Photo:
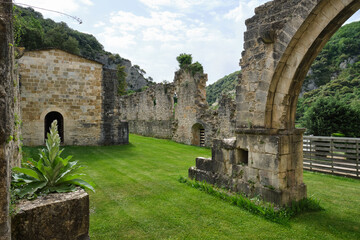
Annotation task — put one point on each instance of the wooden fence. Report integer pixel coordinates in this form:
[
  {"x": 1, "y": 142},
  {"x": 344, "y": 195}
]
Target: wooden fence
[{"x": 333, "y": 155}]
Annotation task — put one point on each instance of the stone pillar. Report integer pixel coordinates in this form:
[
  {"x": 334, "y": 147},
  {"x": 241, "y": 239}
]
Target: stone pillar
[
  {"x": 6, "y": 113},
  {"x": 259, "y": 162},
  {"x": 275, "y": 164}
]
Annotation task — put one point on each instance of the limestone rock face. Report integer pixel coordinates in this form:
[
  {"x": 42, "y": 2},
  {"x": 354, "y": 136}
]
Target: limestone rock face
[{"x": 62, "y": 216}]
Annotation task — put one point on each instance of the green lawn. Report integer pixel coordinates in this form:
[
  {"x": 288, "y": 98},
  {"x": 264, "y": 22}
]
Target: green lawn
[{"x": 138, "y": 197}]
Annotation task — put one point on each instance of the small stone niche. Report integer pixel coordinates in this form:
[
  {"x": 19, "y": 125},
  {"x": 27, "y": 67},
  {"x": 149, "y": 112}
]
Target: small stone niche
[{"x": 242, "y": 156}]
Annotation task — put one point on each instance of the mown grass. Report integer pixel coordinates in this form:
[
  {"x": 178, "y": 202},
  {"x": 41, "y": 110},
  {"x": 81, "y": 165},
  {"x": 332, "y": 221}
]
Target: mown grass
[{"x": 138, "y": 196}]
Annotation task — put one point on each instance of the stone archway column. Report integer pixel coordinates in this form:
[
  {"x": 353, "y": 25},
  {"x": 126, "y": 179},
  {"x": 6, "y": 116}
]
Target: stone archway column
[{"x": 6, "y": 114}]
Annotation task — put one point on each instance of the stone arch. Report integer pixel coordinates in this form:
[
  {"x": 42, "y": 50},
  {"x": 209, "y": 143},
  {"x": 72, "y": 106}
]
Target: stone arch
[
  {"x": 285, "y": 86},
  {"x": 198, "y": 135},
  {"x": 49, "y": 118},
  {"x": 282, "y": 40}
]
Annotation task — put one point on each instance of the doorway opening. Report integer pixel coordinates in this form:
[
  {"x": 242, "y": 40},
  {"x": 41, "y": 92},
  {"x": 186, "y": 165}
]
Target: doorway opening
[
  {"x": 198, "y": 135},
  {"x": 49, "y": 118}
]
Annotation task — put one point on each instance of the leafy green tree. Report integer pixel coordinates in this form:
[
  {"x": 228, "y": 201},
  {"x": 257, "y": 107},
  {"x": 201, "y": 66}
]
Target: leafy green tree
[
  {"x": 330, "y": 115},
  {"x": 71, "y": 45},
  {"x": 121, "y": 76}
]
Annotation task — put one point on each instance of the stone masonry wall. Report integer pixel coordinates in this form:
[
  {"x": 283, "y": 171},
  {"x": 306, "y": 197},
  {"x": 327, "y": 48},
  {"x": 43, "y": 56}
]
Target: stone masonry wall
[
  {"x": 154, "y": 112},
  {"x": 191, "y": 95},
  {"x": 114, "y": 130},
  {"x": 60, "y": 216},
  {"x": 151, "y": 112},
  {"x": 7, "y": 93},
  {"x": 54, "y": 80}
]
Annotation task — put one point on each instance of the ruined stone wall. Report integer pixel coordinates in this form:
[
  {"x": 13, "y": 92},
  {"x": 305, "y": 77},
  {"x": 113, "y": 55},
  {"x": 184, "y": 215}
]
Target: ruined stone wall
[
  {"x": 7, "y": 118},
  {"x": 151, "y": 112},
  {"x": 114, "y": 130},
  {"x": 54, "y": 80},
  {"x": 191, "y": 95},
  {"x": 226, "y": 118}
]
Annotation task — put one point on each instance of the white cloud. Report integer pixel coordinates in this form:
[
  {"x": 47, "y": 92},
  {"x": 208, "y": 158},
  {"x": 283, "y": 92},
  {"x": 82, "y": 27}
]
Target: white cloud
[
  {"x": 244, "y": 10},
  {"x": 99, "y": 24},
  {"x": 64, "y": 6},
  {"x": 184, "y": 4}
]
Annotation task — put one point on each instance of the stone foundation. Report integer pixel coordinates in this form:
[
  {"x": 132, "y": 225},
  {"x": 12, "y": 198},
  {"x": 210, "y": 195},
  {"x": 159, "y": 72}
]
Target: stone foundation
[
  {"x": 62, "y": 216},
  {"x": 258, "y": 163}
]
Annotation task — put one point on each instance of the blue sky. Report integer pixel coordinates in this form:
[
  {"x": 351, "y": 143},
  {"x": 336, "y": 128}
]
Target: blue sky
[{"x": 152, "y": 33}]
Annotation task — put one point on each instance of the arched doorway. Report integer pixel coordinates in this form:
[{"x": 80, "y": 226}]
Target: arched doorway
[
  {"x": 49, "y": 118},
  {"x": 198, "y": 135}
]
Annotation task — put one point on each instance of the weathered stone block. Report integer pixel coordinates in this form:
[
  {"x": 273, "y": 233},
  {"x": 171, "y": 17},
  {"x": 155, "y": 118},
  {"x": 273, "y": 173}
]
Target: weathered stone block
[
  {"x": 62, "y": 216},
  {"x": 205, "y": 164}
]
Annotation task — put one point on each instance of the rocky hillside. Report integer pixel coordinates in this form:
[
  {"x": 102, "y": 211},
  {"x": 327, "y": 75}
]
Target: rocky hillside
[
  {"x": 33, "y": 32},
  {"x": 339, "y": 56}
]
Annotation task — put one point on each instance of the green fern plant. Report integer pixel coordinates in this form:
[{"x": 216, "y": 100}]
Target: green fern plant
[{"x": 51, "y": 173}]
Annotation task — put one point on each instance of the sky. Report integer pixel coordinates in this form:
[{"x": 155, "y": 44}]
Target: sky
[{"x": 152, "y": 33}]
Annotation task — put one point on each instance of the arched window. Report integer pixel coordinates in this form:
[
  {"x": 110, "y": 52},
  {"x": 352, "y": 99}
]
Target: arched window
[{"x": 49, "y": 118}]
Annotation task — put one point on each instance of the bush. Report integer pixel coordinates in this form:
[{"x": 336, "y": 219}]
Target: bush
[
  {"x": 330, "y": 115},
  {"x": 50, "y": 173},
  {"x": 184, "y": 60}
]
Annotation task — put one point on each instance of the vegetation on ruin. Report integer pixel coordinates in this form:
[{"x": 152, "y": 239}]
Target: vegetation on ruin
[
  {"x": 255, "y": 205},
  {"x": 138, "y": 196},
  {"x": 121, "y": 76},
  {"x": 50, "y": 173},
  {"x": 185, "y": 62}
]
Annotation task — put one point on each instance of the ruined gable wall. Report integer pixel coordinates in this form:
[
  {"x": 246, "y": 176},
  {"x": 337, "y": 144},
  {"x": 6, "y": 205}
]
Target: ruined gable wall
[
  {"x": 54, "y": 80},
  {"x": 151, "y": 112}
]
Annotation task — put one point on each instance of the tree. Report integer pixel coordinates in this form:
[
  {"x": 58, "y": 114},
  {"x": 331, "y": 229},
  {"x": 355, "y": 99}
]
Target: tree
[
  {"x": 330, "y": 115},
  {"x": 121, "y": 76}
]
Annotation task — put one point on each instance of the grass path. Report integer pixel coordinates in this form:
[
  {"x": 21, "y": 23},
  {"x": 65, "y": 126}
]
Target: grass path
[{"x": 138, "y": 197}]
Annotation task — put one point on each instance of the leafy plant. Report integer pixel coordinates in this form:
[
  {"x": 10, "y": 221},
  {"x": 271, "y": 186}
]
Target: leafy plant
[
  {"x": 121, "y": 75},
  {"x": 51, "y": 173},
  {"x": 184, "y": 60}
]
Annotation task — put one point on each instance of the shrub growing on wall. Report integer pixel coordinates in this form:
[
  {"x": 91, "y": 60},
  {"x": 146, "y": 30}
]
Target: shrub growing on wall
[
  {"x": 185, "y": 62},
  {"x": 121, "y": 76}
]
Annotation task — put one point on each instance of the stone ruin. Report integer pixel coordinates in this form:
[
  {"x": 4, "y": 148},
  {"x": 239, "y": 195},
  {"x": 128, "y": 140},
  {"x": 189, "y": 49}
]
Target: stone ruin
[
  {"x": 75, "y": 91},
  {"x": 266, "y": 158},
  {"x": 178, "y": 111}
]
